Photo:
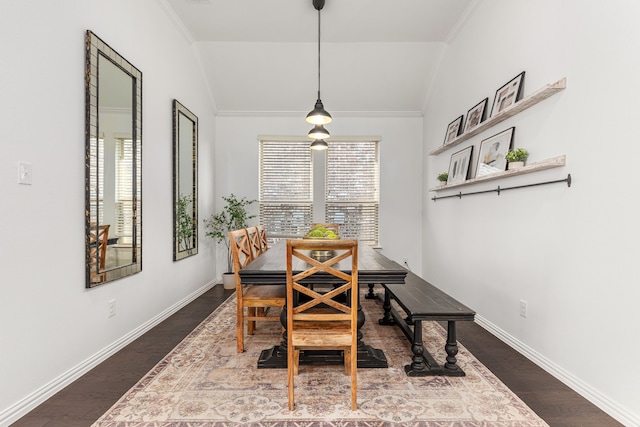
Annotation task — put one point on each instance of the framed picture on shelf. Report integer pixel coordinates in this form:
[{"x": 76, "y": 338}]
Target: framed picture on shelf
[
  {"x": 492, "y": 152},
  {"x": 459, "y": 165},
  {"x": 453, "y": 130},
  {"x": 476, "y": 115},
  {"x": 508, "y": 94}
]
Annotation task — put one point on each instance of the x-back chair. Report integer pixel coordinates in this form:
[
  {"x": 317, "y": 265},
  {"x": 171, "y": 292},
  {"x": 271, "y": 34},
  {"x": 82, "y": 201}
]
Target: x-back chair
[
  {"x": 315, "y": 319},
  {"x": 255, "y": 303}
]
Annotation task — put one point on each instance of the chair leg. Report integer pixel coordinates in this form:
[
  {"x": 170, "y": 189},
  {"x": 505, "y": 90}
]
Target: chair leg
[
  {"x": 354, "y": 379},
  {"x": 347, "y": 362},
  {"x": 251, "y": 324},
  {"x": 290, "y": 373},
  {"x": 240, "y": 331},
  {"x": 296, "y": 362}
]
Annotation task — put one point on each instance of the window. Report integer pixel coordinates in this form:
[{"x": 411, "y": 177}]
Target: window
[
  {"x": 351, "y": 188},
  {"x": 286, "y": 191},
  {"x": 352, "y": 183}
]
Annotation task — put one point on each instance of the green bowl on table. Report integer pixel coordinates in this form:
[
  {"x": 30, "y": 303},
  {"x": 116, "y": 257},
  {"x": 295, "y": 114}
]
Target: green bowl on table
[{"x": 321, "y": 233}]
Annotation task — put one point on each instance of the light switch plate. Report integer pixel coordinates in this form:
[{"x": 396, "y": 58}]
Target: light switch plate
[{"x": 25, "y": 171}]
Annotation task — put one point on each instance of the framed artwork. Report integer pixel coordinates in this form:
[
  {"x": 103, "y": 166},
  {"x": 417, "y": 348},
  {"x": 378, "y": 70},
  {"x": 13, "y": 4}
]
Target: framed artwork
[
  {"x": 459, "y": 165},
  {"x": 476, "y": 115},
  {"x": 508, "y": 94},
  {"x": 453, "y": 130},
  {"x": 492, "y": 152}
]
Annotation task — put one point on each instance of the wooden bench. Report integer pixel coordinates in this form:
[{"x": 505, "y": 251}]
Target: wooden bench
[{"x": 423, "y": 301}]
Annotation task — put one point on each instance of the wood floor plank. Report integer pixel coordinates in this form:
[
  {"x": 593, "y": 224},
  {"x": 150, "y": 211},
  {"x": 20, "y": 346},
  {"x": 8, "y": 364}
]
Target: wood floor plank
[{"x": 85, "y": 400}]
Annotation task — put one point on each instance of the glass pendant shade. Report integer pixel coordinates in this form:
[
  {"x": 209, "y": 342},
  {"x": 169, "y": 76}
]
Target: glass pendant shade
[
  {"x": 319, "y": 144},
  {"x": 319, "y": 116},
  {"x": 319, "y": 132}
]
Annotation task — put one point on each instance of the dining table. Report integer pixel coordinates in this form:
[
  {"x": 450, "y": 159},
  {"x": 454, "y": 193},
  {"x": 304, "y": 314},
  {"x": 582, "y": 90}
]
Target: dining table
[{"x": 270, "y": 268}]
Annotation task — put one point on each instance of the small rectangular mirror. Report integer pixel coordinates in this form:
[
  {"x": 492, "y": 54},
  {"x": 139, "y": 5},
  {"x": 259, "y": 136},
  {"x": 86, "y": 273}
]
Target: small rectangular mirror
[{"x": 185, "y": 182}]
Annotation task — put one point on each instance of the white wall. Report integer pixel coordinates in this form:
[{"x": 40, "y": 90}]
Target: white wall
[
  {"x": 50, "y": 324},
  {"x": 574, "y": 264},
  {"x": 571, "y": 253},
  {"x": 237, "y": 169}
]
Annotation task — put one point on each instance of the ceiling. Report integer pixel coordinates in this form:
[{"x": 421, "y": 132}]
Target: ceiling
[{"x": 377, "y": 56}]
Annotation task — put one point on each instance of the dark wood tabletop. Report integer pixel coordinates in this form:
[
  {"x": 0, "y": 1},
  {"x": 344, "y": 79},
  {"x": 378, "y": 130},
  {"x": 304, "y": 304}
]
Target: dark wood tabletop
[{"x": 373, "y": 267}]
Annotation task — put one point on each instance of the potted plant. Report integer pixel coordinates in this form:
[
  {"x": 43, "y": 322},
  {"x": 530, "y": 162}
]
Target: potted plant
[
  {"x": 516, "y": 158},
  {"x": 233, "y": 216},
  {"x": 443, "y": 177}
]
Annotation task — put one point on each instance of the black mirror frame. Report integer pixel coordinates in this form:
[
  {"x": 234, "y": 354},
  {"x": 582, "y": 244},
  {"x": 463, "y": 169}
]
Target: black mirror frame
[
  {"x": 94, "y": 47},
  {"x": 185, "y": 207}
]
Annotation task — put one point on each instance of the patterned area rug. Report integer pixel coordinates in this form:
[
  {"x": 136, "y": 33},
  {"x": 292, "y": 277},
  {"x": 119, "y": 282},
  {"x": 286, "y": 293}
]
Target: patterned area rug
[{"x": 204, "y": 382}]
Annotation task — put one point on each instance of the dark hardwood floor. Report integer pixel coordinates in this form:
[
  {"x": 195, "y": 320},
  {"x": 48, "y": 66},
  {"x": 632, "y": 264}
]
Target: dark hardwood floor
[{"x": 82, "y": 402}]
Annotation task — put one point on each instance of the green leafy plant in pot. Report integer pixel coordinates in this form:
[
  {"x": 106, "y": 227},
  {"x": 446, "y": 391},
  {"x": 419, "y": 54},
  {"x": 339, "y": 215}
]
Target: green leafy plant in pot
[
  {"x": 233, "y": 216},
  {"x": 443, "y": 177},
  {"x": 516, "y": 158}
]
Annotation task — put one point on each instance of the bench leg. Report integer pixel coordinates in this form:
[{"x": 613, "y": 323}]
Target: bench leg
[
  {"x": 370, "y": 294},
  {"x": 417, "y": 368},
  {"x": 451, "y": 347},
  {"x": 387, "y": 319}
]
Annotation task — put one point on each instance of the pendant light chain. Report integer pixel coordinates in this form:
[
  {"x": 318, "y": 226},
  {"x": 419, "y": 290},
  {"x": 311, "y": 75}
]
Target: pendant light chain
[
  {"x": 318, "y": 53},
  {"x": 319, "y": 116}
]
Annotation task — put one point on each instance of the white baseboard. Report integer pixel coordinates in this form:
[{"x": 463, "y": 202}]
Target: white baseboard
[
  {"x": 22, "y": 407},
  {"x": 621, "y": 414}
]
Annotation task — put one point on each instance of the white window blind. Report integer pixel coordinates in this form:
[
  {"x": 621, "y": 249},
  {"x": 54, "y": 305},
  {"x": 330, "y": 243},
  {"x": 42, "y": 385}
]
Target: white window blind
[
  {"x": 352, "y": 189},
  {"x": 286, "y": 187},
  {"x": 124, "y": 193}
]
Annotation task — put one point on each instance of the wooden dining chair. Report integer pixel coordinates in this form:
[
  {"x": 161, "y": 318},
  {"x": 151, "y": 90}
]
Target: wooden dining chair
[
  {"x": 316, "y": 320},
  {"x": 255, "y": 303},
  {"x": 254, "y": 240},
  {"x": 263, "y": 237}
]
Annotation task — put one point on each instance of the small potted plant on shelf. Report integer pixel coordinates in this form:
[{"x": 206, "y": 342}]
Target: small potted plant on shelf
[
  {"x": 443, "y": 177},
  {"x": 234, "y": 216},
  {"x": 516, "y": 158}
]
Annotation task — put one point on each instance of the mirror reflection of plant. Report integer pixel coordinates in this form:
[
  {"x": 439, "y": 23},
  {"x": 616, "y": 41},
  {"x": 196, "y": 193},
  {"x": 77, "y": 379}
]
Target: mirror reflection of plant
[
  {"x": 185, "y": 223},
  {"x": 234, "y": 216}
]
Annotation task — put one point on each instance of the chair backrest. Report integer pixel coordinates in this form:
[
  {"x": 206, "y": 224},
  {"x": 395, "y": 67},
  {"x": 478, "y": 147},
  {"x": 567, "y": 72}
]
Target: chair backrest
[
  {"x": 98, "y": 239},
  {"x": 254, "y": 240},
  {"x": 263, "y": 237},
  {"x": 240, "y": 250},
  {"x": 312, "y": 307}
]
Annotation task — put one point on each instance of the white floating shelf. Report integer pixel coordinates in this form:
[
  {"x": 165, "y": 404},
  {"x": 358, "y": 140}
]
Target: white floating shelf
[
  {"x": 554, "y": 162},
  {"x": 516, "y": 108}
]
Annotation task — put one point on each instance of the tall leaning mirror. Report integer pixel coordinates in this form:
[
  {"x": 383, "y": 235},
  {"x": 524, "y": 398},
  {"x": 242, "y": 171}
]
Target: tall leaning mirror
[
  {"x": 185, "y": 182},
  {"x": 113, "y": 164}
]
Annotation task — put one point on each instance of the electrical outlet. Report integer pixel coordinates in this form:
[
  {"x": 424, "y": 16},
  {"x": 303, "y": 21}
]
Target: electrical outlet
[
  {"x": 523, "y": 308},
  {"x": 112, "y": 307}
]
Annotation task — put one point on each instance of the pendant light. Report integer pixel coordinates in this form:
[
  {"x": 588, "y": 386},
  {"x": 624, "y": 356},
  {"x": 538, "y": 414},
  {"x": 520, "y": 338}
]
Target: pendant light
[
  {"x": 318, "y": 116},
  {"x": 319, "y": 132},
  {"x": 319, "y": 144}
]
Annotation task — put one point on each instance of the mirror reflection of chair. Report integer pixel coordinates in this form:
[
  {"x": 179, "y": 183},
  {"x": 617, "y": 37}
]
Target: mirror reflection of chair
[
  {"x": 316, "y": 320},
  {"x": 254, "y": 302},
  {"x": 98, "y": 239}
]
